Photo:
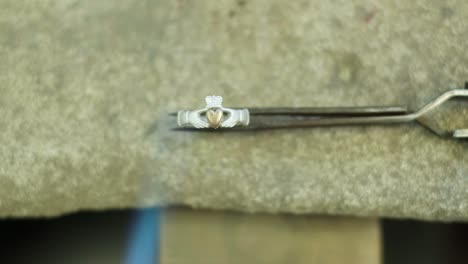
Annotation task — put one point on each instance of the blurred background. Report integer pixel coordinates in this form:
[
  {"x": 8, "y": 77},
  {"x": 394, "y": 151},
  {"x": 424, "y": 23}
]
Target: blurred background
[{"x": 104, "y": 237}]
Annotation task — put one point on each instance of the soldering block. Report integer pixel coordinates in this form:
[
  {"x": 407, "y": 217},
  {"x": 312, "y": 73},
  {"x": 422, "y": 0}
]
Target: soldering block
[{"x": 86, "y": 88}]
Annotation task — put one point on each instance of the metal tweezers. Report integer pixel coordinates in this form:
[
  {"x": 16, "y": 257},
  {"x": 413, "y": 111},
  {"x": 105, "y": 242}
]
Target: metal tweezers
[{"x": 303, "y": 117}]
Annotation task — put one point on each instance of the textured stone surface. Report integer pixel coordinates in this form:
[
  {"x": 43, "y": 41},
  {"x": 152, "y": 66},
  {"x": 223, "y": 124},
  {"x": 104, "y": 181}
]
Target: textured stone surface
[{"x": 86, "y": 87}]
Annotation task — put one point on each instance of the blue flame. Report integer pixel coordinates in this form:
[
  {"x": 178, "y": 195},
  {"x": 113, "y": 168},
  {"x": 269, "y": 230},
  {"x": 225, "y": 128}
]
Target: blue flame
[{"x": 144, "y": 241}]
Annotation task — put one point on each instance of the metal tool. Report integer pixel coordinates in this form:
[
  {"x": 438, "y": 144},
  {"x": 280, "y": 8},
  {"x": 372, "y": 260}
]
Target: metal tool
[{"x": 214, "y": 117}]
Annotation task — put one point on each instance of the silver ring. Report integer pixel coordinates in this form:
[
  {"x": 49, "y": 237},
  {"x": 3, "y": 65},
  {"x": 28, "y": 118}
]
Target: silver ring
[{"x": 214, "y": 115}]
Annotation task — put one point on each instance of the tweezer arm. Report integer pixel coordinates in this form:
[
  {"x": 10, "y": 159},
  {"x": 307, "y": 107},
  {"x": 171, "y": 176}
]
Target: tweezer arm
[
  {"x": 325, "y": 111},
  {"x": 291, "y": 121},
  {"x": 271, "y": 122},
  {"x": 329, "y": 111}
]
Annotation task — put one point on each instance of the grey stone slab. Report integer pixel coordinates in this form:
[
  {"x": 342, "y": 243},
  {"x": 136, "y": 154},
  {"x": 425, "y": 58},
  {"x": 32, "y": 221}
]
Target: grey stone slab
[{"x": 86, "y": 87}]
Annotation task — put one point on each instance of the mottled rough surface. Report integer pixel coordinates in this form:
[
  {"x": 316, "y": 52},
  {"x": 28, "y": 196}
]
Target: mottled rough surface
[{"x": 86, "y": 87}]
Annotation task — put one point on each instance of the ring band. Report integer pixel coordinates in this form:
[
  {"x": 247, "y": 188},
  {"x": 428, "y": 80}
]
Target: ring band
[{"x": 214, "y": 115}]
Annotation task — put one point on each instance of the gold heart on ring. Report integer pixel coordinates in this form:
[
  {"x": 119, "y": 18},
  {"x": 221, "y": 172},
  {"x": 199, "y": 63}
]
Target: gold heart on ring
[{"x": 214, "y": 117}]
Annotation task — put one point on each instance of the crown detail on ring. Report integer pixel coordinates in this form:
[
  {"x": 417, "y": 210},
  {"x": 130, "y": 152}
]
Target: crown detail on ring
[{"x": 214, "y": 101}]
